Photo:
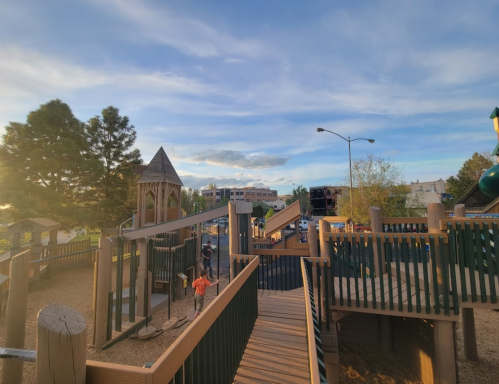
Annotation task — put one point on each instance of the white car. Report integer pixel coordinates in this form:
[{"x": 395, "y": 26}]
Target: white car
[{"x": 303, "y": 224}]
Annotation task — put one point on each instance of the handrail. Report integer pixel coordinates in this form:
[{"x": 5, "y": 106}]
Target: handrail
[
  {"x": 172, "y": 360},
  {"x": 383, "y": 236},
  {"x": 315, "y": 353},
  {"x": 121, "y": 225},
  {"x": 181, "y": 222}
]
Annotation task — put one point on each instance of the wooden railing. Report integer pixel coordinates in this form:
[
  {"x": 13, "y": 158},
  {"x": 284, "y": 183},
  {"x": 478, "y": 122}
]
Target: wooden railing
[
  {"x": 208, "y": 351},
  {"x": 405, "y": 224},
  {"x": 429, "y": 274},
  {"x": 315, "y": 353}
]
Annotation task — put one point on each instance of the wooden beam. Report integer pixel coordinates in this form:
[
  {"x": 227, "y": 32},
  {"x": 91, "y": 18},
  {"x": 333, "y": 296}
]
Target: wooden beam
[{"x": 173, "y": 225}]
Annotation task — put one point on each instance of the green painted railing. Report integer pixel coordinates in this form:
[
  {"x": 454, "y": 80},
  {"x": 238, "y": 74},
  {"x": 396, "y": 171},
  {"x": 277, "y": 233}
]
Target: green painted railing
[
  {"x": 211, "y": 349},
  {"x": 475, "y": 256},
  {"x": 412, "y": 280}
]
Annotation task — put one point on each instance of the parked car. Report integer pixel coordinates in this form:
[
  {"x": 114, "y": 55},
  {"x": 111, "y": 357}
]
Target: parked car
[
  {"x": 361, "y": 228},
  {"x": 223, "y": 222},
  {"x": 303, "y": 224}
]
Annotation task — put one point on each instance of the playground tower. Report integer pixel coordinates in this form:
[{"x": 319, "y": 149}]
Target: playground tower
[{"x": 159, "y": 192}]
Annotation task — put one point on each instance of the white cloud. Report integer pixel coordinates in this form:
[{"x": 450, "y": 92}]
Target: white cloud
[{"x": 189, "y": 36}]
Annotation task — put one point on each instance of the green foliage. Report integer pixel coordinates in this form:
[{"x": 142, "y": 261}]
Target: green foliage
[
  {"x": 188, "y": 198},
  {"x": 57, "y": 167},
  {"x": 300, "y": 193},
  {"x": 376, "y": 183},
  {"x": 47, "y": 166},
  {"x": 111, "y": 138},
  {"x": 269, "y": 213},
  {"x": 468, "y": 175}
]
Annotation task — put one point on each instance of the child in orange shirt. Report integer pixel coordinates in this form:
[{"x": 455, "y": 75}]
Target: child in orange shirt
[{"x": 201, "y": 284}]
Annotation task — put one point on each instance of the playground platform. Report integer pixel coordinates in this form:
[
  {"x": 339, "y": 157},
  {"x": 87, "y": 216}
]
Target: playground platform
[{"x": 277, "y": 349}]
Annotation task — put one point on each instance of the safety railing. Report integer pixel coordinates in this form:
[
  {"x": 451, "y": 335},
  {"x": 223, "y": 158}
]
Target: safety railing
[
  {"x": 279, "y": 269},
  {"x": 315, "y": 352},
  {"x": 413, "y": 281},
  {"x": 475, "y": 258},
  {"x": 211, "y": 349},
  {"x": 405, "y": 224}
]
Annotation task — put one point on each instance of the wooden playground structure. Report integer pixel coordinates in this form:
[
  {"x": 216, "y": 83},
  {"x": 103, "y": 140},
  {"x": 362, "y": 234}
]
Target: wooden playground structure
[{"x": 288, "y": 305}]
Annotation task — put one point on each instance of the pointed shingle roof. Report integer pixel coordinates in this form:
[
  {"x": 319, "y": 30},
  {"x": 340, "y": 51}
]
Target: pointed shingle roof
[{"x": 160, "y": 170}]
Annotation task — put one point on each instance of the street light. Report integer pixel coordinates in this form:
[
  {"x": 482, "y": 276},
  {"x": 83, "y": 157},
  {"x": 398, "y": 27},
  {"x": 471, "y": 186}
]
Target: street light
[{"x": 349, "y": 158}]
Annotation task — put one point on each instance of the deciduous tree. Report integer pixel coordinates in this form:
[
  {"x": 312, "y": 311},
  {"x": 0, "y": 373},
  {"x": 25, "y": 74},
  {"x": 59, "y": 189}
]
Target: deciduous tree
[{"x": 376, "y": 183}]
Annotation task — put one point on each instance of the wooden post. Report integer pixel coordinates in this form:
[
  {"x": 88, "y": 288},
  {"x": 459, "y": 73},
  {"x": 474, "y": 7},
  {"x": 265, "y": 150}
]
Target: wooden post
[
  {"x": 312, "y": 240},
  {"x": 233, "y": 235},
  {"x": 61, "y": 346},
  {"x": 445, "y": 355},
  {"x": 443, "y": 336},
  {"x": 468, "y": 315},
  {"x": 436, "y": 212},
  {"x": 104, "y": 263},
  {"x": 16, "y": 315},
  {"x": 52, "y": 250},
  {"x": 141, "y": 277},
  {"x": 16, "y": 244},
  {"x": 324, "y": 227},
  {"x": 377, "y": 226},
  {"x": 250, "y": 239},
  {"x": 36, "y": 252}
]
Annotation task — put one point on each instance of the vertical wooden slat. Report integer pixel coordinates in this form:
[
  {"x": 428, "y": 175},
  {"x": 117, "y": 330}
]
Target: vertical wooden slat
[
  {"x": 417, "y": 288},
  {"x": 405, "y": 251},
  {"x": 490, "y": 269},
  {"x": 471, "y": 260},
  {"x": 356, "y": 269},
  {"x": 396, "y": 252},
  {"x": 389, "y": 260},
  {"x": 461, "y": 260},
  {"x": 433, "y": 257},
  {"x": 479, "y": 260},
  {"x": 381, "y": 276},
  {"x": 426, "y": 280}
]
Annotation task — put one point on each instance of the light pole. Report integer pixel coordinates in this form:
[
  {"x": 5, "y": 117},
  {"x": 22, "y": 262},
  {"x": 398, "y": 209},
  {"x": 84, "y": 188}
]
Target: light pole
[{"x": 349, "y": 159}]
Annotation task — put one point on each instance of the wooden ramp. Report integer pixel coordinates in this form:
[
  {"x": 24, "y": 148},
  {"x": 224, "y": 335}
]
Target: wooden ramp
[{"x": 277, "y": 349}]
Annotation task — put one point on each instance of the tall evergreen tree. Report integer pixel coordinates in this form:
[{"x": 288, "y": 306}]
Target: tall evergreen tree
[
  {"x": 111, "y": 139},
  {"x": 468, "y": 175},
  {"x": 46, "y": 166}
]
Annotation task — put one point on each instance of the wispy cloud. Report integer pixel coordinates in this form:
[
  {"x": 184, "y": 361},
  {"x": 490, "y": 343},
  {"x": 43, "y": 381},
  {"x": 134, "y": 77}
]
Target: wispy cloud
[
  {"x": 229, "y": 158},
  {"x": 188, "y": 35}
]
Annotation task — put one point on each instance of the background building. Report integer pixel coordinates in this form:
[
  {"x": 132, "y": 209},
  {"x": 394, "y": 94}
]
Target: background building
[
  {"x": 437, "y": 186},
  {"x": 250, "y": 194},
  {"x": 324, "y": 200}
]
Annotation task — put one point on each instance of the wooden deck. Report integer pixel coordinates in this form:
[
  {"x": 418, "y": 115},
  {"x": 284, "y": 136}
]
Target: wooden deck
[{"x": 277, "y": 350}]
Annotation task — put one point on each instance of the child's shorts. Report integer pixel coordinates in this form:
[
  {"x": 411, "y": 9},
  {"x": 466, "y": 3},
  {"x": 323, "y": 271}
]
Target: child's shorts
[{"x": 199, "y": 302}]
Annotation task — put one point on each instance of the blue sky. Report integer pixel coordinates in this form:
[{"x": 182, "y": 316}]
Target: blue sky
[{"x": 234, "y": 90}]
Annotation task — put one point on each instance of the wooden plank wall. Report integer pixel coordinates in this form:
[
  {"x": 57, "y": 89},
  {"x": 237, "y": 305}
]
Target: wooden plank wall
[
  {"x": 413, "y": 341},
  {"x": 359, "y": 328}
]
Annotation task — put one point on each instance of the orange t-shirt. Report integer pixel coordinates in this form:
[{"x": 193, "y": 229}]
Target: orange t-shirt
[{"x": 200, "y": 285}]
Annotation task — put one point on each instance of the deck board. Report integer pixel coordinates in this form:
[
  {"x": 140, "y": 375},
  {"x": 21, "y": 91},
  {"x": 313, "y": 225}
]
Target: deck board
[{"x": 277, "y": 350}]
